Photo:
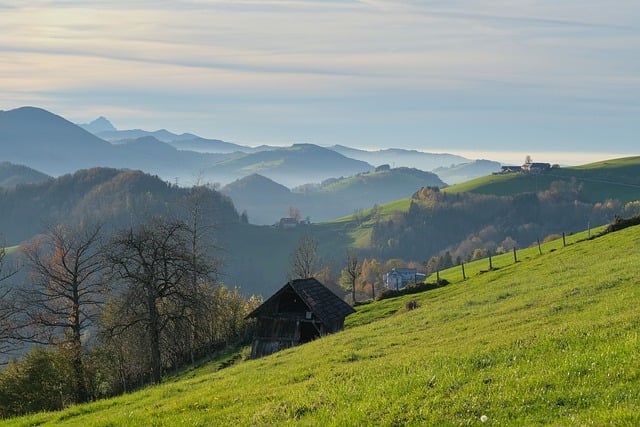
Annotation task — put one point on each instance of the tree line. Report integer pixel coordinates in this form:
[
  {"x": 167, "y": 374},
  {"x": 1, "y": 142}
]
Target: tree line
[
  {"x": 438, "y": 223},
  {"x": 99, "y": 311}
]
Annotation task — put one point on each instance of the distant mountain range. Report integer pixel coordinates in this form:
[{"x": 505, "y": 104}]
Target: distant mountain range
[
  {"x": 396, "y": 157},
  {"x": 53, "y": 145},
  {"x": 49, "y": 143}
]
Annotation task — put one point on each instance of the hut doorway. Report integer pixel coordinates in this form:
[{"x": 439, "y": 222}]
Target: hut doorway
[{"x": 308, "y": 331}]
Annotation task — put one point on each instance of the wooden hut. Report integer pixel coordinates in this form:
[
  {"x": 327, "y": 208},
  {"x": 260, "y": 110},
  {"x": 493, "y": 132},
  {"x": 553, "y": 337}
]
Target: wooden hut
[{"x": 301, "y": 311}]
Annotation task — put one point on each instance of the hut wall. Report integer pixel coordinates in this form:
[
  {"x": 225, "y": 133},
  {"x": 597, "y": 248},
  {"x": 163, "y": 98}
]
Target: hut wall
[{"x": 274, "y": 334}]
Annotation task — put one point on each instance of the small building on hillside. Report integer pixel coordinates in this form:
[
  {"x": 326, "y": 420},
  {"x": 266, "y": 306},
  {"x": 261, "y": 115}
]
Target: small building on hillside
[
  {"x": 288, "y": 223},
  {"x": 301, "y": 311},
  {"x": 511, "y": 169},
  {"x": 398, "y": 278},
  {"x": 536, "y": 167}
]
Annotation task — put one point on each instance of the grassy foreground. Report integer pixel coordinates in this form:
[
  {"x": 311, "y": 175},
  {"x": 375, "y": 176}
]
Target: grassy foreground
[{"x": 552, "y": 339}]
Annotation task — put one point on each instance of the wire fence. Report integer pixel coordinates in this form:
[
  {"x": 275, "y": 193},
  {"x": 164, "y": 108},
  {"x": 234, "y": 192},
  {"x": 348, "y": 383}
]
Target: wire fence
[{"x": 464, "y": 271}]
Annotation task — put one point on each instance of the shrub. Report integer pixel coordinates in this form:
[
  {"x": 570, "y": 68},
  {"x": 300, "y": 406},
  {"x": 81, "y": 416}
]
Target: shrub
[
  {"x": 411, "y": 304},
  {"x": 39, "y": 382},
  {"x": 412, "y": 288}
]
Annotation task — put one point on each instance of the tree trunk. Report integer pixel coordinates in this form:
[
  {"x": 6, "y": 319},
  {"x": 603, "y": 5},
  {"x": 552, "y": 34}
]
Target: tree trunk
[{"x": 154, "y": 341}]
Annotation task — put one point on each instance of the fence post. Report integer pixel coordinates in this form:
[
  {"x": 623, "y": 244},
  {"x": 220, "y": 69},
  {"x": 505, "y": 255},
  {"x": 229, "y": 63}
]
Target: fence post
[
  {"x": 490, "y": 263},
  {"x": 539, "y": 248},
  {"x": 438, "y": 276},
  {"x": 464, "y": 276},
  {"x": 564, "y": 242},
  {"x": 515, "y": 255}
]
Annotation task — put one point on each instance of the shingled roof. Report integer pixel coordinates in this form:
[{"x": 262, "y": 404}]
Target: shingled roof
[{"x": 326, "y": 305}]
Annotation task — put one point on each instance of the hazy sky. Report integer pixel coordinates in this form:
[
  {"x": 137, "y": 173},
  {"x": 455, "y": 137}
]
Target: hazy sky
[{"x": 480, "y": 76}]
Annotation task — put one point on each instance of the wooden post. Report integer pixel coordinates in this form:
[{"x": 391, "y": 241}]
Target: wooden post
[
  {"x": 490, "y": 263},
  {"x": 539, "y": 248},
  {"x": 564, "y": 242},
  {"x": 438, "y": 276},
  {"x": 464, "y": 276},
  {"x": 515, "y": 255}
]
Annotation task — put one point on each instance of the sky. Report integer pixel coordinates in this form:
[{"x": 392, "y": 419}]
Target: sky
[{"x": 559, "y": 80}]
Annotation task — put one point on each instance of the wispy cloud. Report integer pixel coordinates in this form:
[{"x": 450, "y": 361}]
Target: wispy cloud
[{"x": 423, "y": 69}]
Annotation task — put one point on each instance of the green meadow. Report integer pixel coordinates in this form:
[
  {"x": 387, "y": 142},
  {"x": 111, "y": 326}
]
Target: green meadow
[
  {"x": 610, "y": 179},
  {"x": 551, "y": 339}
]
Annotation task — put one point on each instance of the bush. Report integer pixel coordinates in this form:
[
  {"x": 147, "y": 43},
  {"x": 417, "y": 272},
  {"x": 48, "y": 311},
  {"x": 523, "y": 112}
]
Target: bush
[
  {"x": 39, "y": 382},
  {"x": 412, "y": 288},
  {"x": 411, "y": 304},
  {"x": 621, "y": 223}
]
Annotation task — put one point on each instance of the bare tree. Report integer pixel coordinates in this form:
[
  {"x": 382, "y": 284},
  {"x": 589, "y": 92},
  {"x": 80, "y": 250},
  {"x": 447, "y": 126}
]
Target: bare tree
[
  {"x": 352, "y": 271},
  {"x": 304, "y": 260},
  {"x": 155, "y": 263},
  {"x": 67, "y": 288},
  {"x": 204, "y": 267},
  {"x": 295, "y": 213},
  {"x": 8, "y": 309}
]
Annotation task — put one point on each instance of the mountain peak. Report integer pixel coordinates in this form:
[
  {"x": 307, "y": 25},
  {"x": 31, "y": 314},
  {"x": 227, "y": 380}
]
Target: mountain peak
[{"x": 101, "y": 124}]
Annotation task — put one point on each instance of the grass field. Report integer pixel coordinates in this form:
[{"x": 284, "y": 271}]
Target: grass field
[
  {"x": 549, "y": 340},
  {"x": 611, "y": 179}
]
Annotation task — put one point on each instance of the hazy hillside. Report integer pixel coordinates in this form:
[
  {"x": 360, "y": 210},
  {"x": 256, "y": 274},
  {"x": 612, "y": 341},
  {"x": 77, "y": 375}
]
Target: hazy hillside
[
  {"x": 266, "y": 201},
  {"x": 203, "y": 145},
  {"x": 104, "y": 129},
  {"x": 12, "y": 175},
  {"x": 49, "y": 143},
  {"x": 467, "y": 171},
  {"x": 161, "y": 158},
  {"x": 396, "y": 157},
  {"x": 291, "y": 166},
  {"x": 550, "y": 340}
]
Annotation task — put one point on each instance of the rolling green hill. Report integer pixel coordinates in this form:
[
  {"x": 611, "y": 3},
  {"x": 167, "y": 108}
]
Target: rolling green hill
[
  {"x": 384, "y": 181},
  {"x": 610, "y": 179},
  {"x": 549, "y": 340},
  {"x": 266, "y": 201}
]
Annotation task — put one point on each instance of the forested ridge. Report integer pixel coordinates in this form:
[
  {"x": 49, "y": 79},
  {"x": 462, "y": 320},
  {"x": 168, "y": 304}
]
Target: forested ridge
[
  {"x": 106, "y": 195},
  {"x": 464, "y": 222}
]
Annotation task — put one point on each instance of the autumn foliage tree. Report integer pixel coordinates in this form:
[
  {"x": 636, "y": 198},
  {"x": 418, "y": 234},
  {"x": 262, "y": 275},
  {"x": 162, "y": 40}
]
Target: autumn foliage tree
[{"x": 8, "y": 309}]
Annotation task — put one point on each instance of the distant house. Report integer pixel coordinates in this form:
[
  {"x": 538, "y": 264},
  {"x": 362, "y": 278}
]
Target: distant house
[
  {"x": 536, "y": 167},
  {"x": 398, "y": 278},
  {"x": 301, "y": 311},
  {"x": 511, "y": 169},
  {"x": 288, "y": 223}
]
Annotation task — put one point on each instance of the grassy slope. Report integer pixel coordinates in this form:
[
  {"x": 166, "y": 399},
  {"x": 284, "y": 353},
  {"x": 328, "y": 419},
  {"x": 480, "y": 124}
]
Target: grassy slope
[
  {"x": 367, "y": 182},
  {"x": 611, "y": 179},
  {"x": 552, "y": 339},
  {"x": 358, "y": 227}
]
